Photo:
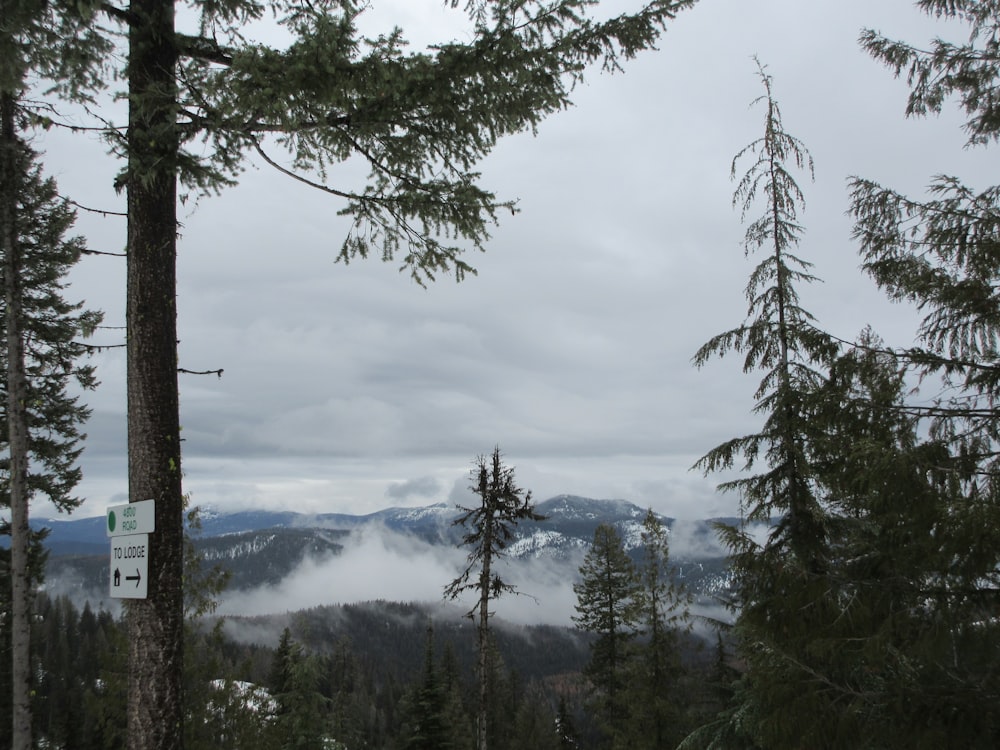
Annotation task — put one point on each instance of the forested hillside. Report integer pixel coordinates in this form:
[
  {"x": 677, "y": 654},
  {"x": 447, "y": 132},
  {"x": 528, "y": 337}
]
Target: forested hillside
[{"x": 369, "y": 664}]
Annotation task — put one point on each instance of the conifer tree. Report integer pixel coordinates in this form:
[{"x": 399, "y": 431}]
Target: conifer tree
[
  {"x": 50, "y": 43},
  {"x": 778, "y": 338},
  {"x": 457, "y": 715},
  {"x": 939, "y": 252},
  {"x": 534, "y": 726},
  {"x": 301, "y": 709},
  {"x": 425, "y": 727},
  {"x": 852, "y": 677},
  {"x": 781, "y": 584},
  {"x": 41, "y": 355},
  {"x": 606, "y": 598},
  {"x": 569, "y": 739},
  {"x": 502, "y": 505},
  {"x": 884, "y": 661},
  {"x": 344, "y": 688},
  {"x": 661, "y": 615},
  {"x": 879, "y": 636},
  {"x": 279, "y": 678}
]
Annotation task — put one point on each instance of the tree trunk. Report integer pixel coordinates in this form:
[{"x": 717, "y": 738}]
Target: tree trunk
[
  {"x": 484, "y": 677},
  {"x": 11, "y": 179},
  {"x": 484, "y": 604},
  {"x": 155, "y": 716}
]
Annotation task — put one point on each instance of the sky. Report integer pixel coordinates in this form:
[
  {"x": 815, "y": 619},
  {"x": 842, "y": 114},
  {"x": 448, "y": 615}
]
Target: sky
[{"x": 349, "y": 388}]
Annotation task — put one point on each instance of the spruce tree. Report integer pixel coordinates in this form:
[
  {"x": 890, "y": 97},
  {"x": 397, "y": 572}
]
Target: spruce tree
[
  {"x": 781, "y": 586},
  {"x": 41, "y": 355},
  {"x": 50, "y": 44},
  {"x": 533, "y": 726},
  {"x": 939, "y": 252},
  {"x": 425, "y": 725},
  {"x": 661, "y": 615},
  {"x": 606, "y": 606},
  {"x": 502, "y": 505},
  {"x": 873, "y": 629},
  {"x": 344, "y": 682},
  {"x": 299, "y": 721},
  {"x": 458, "y": 716},
  {"x": 566, "y": 732},
  {"x": 778, "y": 338},
  {"x": 886, "y": 660},
  {"x": 279, "y": 677}
]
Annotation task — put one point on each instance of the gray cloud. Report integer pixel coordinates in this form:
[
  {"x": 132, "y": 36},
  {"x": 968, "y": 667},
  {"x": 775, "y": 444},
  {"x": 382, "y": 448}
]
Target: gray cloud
[
  {"x": 422, "y": 487},
  {"x": 691, "y": 541},
  {"x": 572, "y": 347}
]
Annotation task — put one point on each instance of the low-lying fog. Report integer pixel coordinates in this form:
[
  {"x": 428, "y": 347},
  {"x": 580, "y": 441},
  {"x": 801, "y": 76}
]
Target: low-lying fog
[{"x": 380, "y": 564}]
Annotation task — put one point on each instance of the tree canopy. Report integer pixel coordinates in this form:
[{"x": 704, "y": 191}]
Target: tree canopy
[{"x": 866, "y": 615}]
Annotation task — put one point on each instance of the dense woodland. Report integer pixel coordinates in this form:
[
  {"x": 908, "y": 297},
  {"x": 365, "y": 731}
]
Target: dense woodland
[
  {"x": 868, "y": 615},
  {"x": 375, "y": 675}
]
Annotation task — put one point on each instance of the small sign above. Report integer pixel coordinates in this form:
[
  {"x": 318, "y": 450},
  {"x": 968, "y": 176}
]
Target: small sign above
[{"x": 132, "y": 518}]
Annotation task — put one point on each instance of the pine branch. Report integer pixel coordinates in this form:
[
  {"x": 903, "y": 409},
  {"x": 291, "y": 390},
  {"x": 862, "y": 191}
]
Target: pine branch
[
  {"x": 201, "y": 372},
  {"x": 102, "y": 212}
]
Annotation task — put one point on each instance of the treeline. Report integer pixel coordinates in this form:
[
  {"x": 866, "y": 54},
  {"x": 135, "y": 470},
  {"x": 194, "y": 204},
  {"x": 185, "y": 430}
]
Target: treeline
[
  {"x": 78, "y": 690},
  {"x": 374, "y": 675}
]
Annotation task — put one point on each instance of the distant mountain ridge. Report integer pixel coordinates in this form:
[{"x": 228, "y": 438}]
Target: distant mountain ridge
[
  {"x": 567, "y": 516},
  {"x": 262, "y": 547}
]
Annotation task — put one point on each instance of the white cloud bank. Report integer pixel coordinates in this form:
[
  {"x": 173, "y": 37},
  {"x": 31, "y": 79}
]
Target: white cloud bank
[{"x": 377, "y": 563}]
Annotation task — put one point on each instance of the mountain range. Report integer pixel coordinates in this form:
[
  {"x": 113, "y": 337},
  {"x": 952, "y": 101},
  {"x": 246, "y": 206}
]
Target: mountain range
[{"x": 263, "y": 548}]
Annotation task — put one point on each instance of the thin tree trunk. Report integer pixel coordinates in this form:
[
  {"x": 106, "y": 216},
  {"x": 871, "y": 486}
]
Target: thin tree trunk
[
  {"x": 155, "y": 715},
  {"x": 484, "y": 604},
  {"x": 11, "y": 177}
]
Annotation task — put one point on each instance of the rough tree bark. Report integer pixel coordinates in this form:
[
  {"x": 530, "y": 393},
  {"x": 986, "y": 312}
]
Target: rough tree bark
[
  {"x": 485, "y": 590},
  {"x": 155, "y": 716},
  {"x": 11, "y": 174}
]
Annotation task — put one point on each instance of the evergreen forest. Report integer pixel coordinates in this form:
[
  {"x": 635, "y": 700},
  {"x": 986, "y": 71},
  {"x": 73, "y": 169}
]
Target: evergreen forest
[{"x": 371, "y": 675}]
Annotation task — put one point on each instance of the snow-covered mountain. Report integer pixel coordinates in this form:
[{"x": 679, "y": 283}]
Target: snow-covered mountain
[{"x": 263, "y": 547}]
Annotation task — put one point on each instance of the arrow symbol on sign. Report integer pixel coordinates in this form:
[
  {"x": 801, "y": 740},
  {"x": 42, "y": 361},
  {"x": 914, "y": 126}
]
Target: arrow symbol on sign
[{"x": 135, "y": 578}]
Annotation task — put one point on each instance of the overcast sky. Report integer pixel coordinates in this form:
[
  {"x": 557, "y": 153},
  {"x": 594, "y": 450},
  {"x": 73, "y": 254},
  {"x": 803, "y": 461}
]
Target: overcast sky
[{"x": 349, "y": 388}]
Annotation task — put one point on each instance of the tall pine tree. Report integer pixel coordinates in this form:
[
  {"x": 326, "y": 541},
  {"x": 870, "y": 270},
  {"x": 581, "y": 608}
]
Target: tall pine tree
[
  {"x": 606, "y": 606},
  {"x": 876, "y": 628},
  {"x": 781, "y": 582},
  {"x": 41, "y": 354},
  {"x": 940, "y": 252},
  {"x": 300, "y": 719},
  {"x": 661, "y": 615},
  {"x": 502, "y": 506},
  {"x": 425, "y": 723},
  {"x": 49, "y": 43}
]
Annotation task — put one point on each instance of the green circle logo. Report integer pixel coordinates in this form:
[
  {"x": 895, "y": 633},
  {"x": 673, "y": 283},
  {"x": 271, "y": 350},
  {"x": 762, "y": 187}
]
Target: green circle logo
[{"x": 111, "y": 521}]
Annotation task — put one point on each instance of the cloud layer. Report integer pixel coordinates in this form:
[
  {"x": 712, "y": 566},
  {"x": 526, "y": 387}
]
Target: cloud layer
[
  {"x": 349, "y": 388},
  {"x": 380, "y": 564}
]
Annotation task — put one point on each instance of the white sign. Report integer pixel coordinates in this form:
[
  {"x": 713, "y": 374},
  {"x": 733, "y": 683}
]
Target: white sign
[
  {"x": 132, "y": 518},
  {"x": 129, "y": 566}
]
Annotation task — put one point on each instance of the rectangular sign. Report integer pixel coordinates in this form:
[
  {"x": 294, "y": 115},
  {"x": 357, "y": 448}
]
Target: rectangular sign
[
  {"x": 132, "y": 518},
  {"x": 129, "y": 569}
]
